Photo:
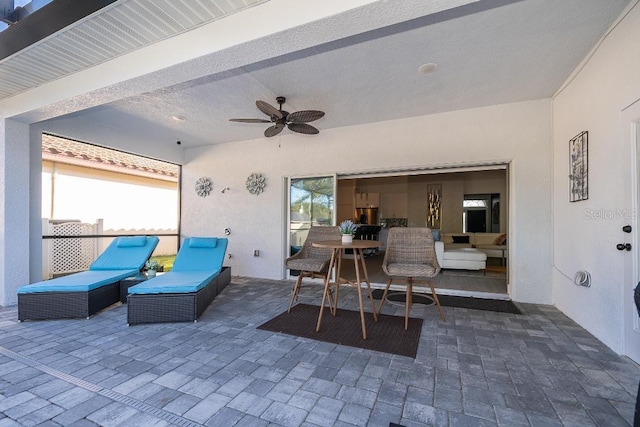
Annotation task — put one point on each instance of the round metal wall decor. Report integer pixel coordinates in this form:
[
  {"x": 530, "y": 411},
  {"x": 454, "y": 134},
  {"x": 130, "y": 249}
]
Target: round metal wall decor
[
  {"x": 256, "y": 183},
  {"x": 203, "y": 187}
]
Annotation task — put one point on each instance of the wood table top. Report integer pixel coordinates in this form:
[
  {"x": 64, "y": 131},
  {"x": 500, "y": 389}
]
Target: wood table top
[{"x": 355, "y": 244}]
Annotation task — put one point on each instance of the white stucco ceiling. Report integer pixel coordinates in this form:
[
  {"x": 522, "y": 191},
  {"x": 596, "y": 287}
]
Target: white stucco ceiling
[{"x": 357, "y": 61}]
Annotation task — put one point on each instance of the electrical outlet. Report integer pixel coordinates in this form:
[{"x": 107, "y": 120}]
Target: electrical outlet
[{"x": 256, "y": 252}]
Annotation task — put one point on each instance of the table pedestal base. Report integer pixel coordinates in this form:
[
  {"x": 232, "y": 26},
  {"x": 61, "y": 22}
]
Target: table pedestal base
[{"x": 358, "y": 259}]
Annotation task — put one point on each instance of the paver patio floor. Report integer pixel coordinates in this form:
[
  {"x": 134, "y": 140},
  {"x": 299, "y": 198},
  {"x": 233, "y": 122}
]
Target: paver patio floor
[{"x": 478, "y": 368}]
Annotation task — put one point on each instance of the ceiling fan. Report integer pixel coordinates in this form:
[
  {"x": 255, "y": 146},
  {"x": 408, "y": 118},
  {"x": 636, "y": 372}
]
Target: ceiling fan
[{"x": 296, "y": 121}]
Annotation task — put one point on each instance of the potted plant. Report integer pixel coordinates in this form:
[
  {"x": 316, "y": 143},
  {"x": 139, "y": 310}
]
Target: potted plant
[
  {"x": 347, "y": 229},
  {"x": 152, "y": 267}
]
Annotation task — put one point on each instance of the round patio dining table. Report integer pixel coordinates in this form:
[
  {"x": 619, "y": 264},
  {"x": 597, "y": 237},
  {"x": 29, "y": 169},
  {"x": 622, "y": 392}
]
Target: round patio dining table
[{"x": 338, "y": 249}]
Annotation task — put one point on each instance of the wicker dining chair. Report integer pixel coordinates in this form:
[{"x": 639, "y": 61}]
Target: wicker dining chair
[
  {"x": 411, "y": 254},
  {"x": 313, "y": 262}
]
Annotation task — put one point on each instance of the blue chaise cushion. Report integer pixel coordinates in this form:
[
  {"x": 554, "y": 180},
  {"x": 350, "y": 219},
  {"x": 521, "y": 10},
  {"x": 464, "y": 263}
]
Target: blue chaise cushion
[
  {"x": 123, "y": 254},
  {"x": 78, "y": 282},
  {"x": 200, "y": 258},
  {"x": 118, "y": 261},
  {"x": 131, "y": 241},
  {"x": 198, "y": 261},
  {"x": 174, "y": 282},
  {"x": 203, "y": 242}
]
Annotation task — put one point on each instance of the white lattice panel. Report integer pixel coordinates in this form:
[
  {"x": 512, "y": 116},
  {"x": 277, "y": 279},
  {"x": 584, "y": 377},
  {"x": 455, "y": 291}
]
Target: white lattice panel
[{"x": 70, "y": 255}]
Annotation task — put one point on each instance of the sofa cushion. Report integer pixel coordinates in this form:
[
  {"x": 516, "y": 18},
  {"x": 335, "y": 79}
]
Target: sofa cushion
[
  {"x": 485, "y": 238},
  {"x": 475, "y": 239},
  {"x": 467, "y": 254},
  {"x": 500, "y": 240},
  {"x": 460, "y": 239},
  {"x": 494, "y": 251}
]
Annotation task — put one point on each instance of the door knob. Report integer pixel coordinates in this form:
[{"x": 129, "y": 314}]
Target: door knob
[{"x": 623, "y": 246}]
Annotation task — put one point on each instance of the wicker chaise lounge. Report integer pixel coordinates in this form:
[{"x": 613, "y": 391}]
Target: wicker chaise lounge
[
  {"x": 185, "y": 292},
  {"x": 84, "y": 294}
]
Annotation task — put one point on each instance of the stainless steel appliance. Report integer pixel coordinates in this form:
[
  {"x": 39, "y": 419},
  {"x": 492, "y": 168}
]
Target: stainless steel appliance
[{"x": 367, "y": 216}]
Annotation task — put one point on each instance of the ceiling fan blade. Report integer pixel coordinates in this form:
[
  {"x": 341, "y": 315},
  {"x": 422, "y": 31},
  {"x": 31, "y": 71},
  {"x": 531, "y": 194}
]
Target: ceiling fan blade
[
  {"x": 303, "y": 128},
  {"x": 250, "y": 120},
  {"x": 273, "y": 130},
  {"x": 305, "y": 116},
  {"x": 269, "y": 110}
]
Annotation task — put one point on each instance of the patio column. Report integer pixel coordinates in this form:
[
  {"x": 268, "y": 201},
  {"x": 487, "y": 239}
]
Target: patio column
[{"x": 14, "y": 208}]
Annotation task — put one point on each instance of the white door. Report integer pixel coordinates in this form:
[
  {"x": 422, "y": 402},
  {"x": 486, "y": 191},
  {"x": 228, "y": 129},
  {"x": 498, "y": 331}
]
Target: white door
[{"x": 631, "y": 132}]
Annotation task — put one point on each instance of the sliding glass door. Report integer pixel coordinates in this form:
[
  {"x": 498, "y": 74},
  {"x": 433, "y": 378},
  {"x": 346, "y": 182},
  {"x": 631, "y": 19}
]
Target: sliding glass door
[{"x": 311, "y": 202}]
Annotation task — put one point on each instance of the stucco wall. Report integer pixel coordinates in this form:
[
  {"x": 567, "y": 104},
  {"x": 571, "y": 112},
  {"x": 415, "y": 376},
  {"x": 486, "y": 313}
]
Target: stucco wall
[
  {"x": 517, "y": 133},
  {"x": 586, "y": 232},
  {"x": 14, "y": 209}
]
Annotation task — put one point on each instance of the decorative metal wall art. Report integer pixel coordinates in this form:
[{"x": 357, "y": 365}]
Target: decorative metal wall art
[
  {"x": 434, "y": 208},
  {"x": 203, "y": 187},
  {"x": 579, "y": 167},
  {"x": 256, "y": 183}
]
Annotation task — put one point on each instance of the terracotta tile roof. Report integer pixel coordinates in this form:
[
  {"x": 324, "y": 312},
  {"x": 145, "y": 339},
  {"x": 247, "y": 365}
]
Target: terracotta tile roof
[{"x": 72, "y": 152}]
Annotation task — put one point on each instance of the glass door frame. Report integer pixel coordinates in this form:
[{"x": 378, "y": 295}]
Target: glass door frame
[{"x": 287, "y": 228}]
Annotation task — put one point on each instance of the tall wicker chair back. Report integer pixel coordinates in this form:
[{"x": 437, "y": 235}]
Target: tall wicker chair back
[
  {"x": 312, "y": 262},
  {"x": 411, "y": 255}
]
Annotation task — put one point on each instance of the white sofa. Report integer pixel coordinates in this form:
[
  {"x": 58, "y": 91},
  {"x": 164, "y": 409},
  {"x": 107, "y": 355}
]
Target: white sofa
[
  {"x": 465, "y": 258},
  {"x": 469, "y": 251},
  {"x": 485, "y": 242}
]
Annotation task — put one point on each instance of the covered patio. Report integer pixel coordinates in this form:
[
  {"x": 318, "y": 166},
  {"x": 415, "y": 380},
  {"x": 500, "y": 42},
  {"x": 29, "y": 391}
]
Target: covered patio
[{"x": 432, "y": 87}]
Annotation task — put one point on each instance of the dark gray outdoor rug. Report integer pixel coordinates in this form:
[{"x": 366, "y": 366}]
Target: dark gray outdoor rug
[
  {"x": 502, "y": 306},
  {"x": 387, "y": 335}
]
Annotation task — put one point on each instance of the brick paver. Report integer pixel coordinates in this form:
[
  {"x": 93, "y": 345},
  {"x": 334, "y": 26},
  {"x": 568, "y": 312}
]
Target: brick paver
[{"x": 476, "y": 369}]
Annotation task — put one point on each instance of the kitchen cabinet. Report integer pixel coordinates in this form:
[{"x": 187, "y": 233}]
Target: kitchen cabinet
[
  {"x": 394, "y": 205},
  {"x": 367, "y": 200},
  {"x": 346, "y": 200}
]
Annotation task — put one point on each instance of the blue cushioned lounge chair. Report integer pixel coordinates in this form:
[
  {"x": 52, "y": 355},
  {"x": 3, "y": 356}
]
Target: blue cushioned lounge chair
[
  {"x": 84, "y": 294},
  {"x": 185, "y": 292}
]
